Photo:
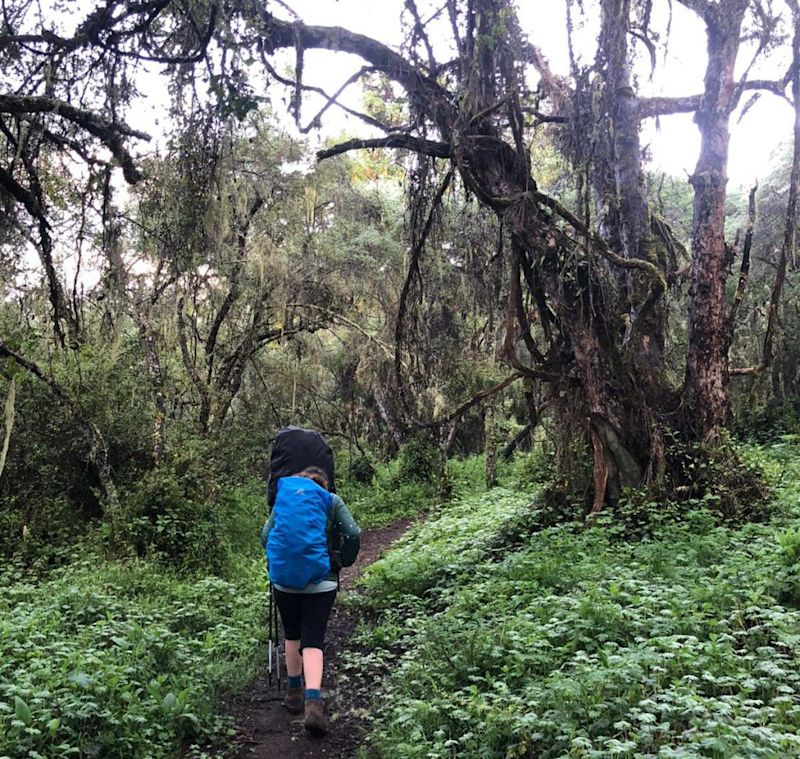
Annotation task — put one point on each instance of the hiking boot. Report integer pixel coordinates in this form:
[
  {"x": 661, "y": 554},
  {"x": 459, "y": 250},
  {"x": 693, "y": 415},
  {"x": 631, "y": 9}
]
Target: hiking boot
[
  {"x": 315, "y": 721},
  {"x": 294, "y": 700}
]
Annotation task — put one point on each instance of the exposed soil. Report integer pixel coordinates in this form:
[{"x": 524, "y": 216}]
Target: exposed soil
[{"x": 267, "y": 731}]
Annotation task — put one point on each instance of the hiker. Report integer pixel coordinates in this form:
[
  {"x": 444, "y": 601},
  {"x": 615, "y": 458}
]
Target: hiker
[{"x": 309, "y": 536}]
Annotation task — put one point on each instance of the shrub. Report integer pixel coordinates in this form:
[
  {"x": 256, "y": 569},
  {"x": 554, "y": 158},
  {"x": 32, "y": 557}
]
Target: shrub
[
  {"x": 421, "y": 461},
  {"x": 770, "y": 422},
  {"x": 170, "y": 519},
  {"x": 362, "y": 469},
  {"x": 724, "y": 478}
]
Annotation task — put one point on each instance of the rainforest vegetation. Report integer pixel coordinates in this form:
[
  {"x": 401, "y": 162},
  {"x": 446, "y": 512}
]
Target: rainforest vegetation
[{"x": 577, "y": 373}]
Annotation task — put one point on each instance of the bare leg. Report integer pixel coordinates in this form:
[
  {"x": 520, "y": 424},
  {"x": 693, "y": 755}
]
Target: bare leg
[
  {"x": 312, "y": 667},
  {"x": 294, "y": 662}
]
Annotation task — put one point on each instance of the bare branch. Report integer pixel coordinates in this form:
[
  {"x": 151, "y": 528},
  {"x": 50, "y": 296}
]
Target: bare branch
[
  {"x": 414, "y": 271},
  {"x": 282, "y": 34},
  {"x": 419, "y": 32},
  {"x": 403, "y": 141},
  {"x": 20, "y": 194},
  {"x": 663, "y": 106},
  {"x": 233, "y": 291},
  {"x": 702, "y": 8},
  {"x": 101, "y": 28},
  {"x": 332, "y": 99},
  {"x": 337, "y": 317},
  {"x": 108, "y": 132},
  {"x": 624, "y": 263},
  {"x": 195, "y": 57},
  {"x": 744, "y": 268},
  {"x": 790, "y": 227}
]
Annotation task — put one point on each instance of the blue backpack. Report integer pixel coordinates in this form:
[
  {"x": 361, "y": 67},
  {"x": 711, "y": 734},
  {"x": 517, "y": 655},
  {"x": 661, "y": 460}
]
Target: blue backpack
[{"x": 297, "y": 548}]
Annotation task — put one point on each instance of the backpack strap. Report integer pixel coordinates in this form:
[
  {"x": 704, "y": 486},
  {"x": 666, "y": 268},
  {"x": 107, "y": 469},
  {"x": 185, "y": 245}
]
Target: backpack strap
[{"x": 334, "y": 540}]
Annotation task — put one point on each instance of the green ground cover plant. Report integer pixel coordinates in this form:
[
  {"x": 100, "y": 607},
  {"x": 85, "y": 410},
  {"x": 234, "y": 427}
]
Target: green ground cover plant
[
  {"x": 583, "y": 642},
  {"x": 412, "y": 483},
  {"x": 132, "y": 653},
  {"x": 123, "y": 659},
  {"x": 405, "y": 488}
]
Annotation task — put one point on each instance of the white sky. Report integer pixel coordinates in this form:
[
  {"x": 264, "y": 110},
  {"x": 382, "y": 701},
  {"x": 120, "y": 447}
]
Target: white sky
[{"x": 674, "y": 146}]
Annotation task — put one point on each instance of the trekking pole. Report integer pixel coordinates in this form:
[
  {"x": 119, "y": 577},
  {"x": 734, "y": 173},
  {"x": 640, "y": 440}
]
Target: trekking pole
[
  {"x": 276, "y": 619},
  {"x": 269, "y": 644},
  {"x": 274, "y": 640}
]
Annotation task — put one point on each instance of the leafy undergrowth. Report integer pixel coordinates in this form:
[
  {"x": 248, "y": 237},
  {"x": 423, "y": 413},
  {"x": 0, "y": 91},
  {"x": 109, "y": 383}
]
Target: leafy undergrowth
[
  {"x": 407, "y": 487},
  {"x": 385, "y": 499},
  {"x": 123, "y": 659},
  {"x": 399, "y": 489},
  {"x": 579, "y": 642}
]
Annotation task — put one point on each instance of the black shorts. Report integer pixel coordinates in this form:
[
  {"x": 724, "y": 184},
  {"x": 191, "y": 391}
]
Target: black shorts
[{"x": 305, "y": 616}]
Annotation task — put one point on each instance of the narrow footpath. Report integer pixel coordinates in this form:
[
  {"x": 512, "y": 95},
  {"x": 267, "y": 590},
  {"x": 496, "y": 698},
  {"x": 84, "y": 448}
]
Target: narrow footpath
[{"x": 267, "y": 731}]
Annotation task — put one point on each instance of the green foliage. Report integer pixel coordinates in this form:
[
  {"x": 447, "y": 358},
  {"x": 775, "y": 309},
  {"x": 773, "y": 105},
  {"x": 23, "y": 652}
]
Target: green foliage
[
  {"x": 570, "y": 642},
  {"x": 443, "y": 547},
  {"x": 727, "y": 479},
  {"x": 186, "y": 520},
  {"x": 47, "y": 488},
  {"x": 387, "y": 498},
  {"x": 409, "y": 486},
  {"x": 535, "y": 468},
  {"x": 726, "y": 486},
  {"x": 41, "y": 537},
  {"x": 421, "y": 461},
  {"x": 362, "y": 470},
  {"x": 724, "y": 478},
  {"x": 770, "y": 422},
  {"x": 122, "y": 659}
]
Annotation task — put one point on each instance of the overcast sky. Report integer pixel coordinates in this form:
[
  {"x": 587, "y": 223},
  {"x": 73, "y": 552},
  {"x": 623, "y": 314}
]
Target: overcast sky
[
  {"x": 674, "y": 146},
  {"x": 673, "y": 143}
]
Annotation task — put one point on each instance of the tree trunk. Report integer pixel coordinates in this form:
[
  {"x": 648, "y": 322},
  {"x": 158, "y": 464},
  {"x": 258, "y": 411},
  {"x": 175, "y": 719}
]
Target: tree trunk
[
  {"x": 450, "y": 439},
  {"x": 490, "y": 445},
  {"x": 645, "y": 330},
  {"x": 204, "y": 420},
  {"x": 395, "y": 433},
  {"x": 517, "y": 440},
  {"x": 9, "y": 422},
  {"x": 612, "y": 383},
  {"x": 147, "y": 338},
  {"x": 706, "y": 385}
]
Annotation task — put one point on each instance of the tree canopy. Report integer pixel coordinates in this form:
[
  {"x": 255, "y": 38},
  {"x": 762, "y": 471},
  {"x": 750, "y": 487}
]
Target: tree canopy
[{"x": 574, "y": 279}]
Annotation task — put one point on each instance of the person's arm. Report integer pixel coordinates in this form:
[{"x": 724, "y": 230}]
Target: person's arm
[
  {"x": 265, "y": 530},
  {"x": 347, "y": 529}
]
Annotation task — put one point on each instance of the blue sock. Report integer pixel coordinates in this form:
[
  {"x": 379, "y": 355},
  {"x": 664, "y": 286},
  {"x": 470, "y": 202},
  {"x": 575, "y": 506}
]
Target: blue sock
[
  {"x": 294, "y": 682},
  {"x": 313, "y": 695}
]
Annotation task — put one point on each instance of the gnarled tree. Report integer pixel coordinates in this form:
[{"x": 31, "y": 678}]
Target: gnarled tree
[{"x": 587, "y": 286}]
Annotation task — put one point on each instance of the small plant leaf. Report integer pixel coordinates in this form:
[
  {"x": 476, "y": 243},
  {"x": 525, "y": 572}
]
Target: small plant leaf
[{"x": 22, "y": 711}]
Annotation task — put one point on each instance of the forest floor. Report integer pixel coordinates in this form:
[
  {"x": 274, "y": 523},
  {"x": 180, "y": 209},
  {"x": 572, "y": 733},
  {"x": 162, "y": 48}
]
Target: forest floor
[{"x": 267, "y": 731}]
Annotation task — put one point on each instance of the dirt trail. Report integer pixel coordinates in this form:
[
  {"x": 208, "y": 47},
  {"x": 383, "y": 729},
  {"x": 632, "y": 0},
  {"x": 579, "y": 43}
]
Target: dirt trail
[{"x": 267, "y": 731}]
